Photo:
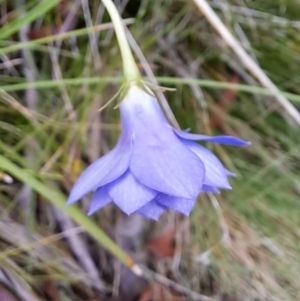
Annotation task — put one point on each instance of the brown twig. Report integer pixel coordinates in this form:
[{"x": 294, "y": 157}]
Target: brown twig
[{"x": 246, "y": 59}]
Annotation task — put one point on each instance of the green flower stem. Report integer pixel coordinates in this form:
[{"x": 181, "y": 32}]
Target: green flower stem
[
  {"x": 38, "y": 10},
  {"x": 131, "y": 71},
  {"x": 58, "y": 200}
]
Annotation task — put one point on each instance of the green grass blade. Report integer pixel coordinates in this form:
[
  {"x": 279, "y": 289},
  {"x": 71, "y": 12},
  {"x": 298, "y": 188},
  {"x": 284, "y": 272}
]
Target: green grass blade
[
  {"x": 39, "y": 10},
  {"x": 164, "y": 80},
  {"x": 59, "y": 36},
  {"x": 58, "y": 200}
]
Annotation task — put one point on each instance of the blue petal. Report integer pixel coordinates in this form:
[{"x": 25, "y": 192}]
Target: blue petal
[
  {"x": 128, "y": 194},
  {"x": 159, "y": 160},
  {"x": 212, "y": 189},
  {"x": 167, "y": 167},
  {"x": 215, "y": 173},
  {"x": 100, "y": 199},
  {"x": 104, "y": 170},
  {"x": 229, "y": 173},
  {"x": 181, "y": 205},
  {"x": 138, "y": 105},
  {"x": 230, "y": 140},
  {"x": 152, "y": 210}
]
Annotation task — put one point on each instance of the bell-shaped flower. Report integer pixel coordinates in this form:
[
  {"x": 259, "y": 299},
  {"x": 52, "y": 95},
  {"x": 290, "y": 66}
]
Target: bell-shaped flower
[{"x": 153, "y": 166}]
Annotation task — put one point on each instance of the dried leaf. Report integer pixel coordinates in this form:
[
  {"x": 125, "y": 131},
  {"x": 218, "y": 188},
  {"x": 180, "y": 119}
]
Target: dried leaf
[
  {"x": 147, "y": 294},
  {"x": 64, "y": 7},
  {"x": 164, "y": 245},
  {"x": 6, "y": 295},
  {"x": 158, "y": 292},
  {"x": 227, "y": 98},
  {"x": 229, "y": 298},
  {"x": 51, "y": 291},
  {"x": 76, "y": 168},
  {"x": 40, "y": 33}
]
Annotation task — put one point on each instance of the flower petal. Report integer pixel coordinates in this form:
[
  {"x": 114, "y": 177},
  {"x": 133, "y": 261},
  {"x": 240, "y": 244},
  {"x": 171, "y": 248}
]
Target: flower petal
[
  {"x": 159, "y": 160},
  {"x": 104, "y": 170},
  {"x": 168, "y": 167},
  {"x": 165, "y": 165},
  {"x": 152, "y": 210},
  {"x": 230, "y": 140},
  {"x": 138, "y": 104},
  {"x": 229, "y": 173},
  {"x": 215, "y": 173},
  {"x": 128, "y": 194},
  {"x": 212, "y": 189},
  {"x": 181, "y": 205},
  {"x": 100, "y": 199}
]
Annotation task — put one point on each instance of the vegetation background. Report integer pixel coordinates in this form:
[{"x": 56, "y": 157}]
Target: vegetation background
[{"x": 59, "y": 63}]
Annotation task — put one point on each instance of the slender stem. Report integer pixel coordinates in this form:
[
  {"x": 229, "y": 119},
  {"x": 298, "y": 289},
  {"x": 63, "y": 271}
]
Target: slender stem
[{"x": 131, "y": 71}]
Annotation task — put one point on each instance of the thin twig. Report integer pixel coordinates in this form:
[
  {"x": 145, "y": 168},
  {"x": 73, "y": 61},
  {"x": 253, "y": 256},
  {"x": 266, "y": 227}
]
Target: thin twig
[
  {"x": 15, "y": 282},
  {"x": 248, "y": 12},
  {"x": 150, "y": 275},
  {"x": 223, "y": 225},
  {"x": 41, "y": 248},
  {"x": 68, "y": 24},
  {"x": 92, "y": 35},
  {"x": 16, "y": 105},
  {"x": 203, "y": 258},
  {"x": 246, "y": 59},
  {"x": 79, "y": 248},
  {"x": 31, "y": 98},
  {"x": 57, "y": 75},
  {"x": 184, "y": 71},
  {"x": 8, "y": 65}
]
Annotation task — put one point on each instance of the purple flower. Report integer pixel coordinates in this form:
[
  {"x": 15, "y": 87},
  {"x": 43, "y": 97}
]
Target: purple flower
[{"x": 153, "y": 166}]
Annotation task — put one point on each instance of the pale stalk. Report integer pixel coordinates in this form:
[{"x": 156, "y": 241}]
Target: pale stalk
[{"x": 131, "y": 71}]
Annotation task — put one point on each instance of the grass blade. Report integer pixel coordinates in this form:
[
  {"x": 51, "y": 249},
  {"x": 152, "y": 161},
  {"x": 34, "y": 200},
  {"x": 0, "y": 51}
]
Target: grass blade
[{"x": 58, "y": 200}]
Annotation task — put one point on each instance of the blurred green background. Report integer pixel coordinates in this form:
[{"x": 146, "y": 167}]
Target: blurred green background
[{"x": 57, "y": 70}]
